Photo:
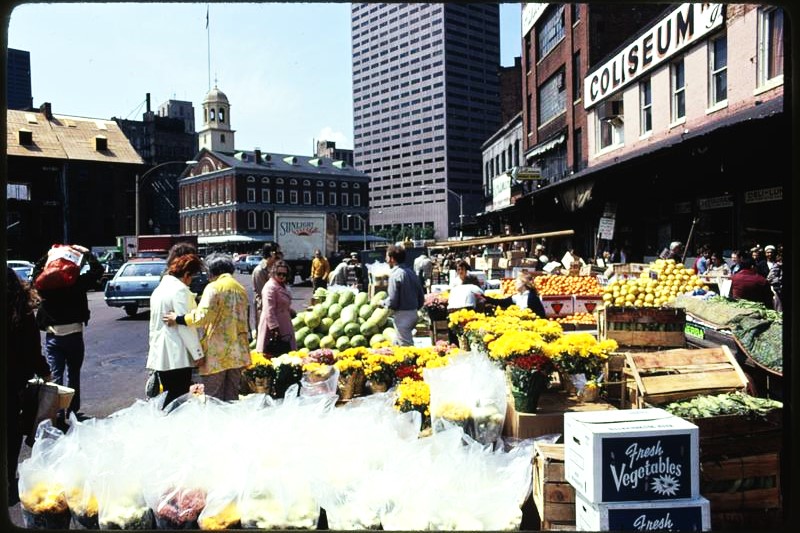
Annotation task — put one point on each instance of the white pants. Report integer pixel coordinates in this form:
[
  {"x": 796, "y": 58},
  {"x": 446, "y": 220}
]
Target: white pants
[{"x": 404, "y": 322}]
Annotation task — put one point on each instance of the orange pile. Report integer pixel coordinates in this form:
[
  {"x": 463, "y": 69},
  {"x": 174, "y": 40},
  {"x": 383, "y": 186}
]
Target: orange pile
[
  {"x": 577, "y": 318},
  {"x": 507, "y": 286},
  {"x": 556, "y": 285}
]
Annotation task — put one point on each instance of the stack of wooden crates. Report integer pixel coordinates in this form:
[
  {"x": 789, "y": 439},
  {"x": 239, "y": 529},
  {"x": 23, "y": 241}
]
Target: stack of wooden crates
[{"x": 739, "y": 454}]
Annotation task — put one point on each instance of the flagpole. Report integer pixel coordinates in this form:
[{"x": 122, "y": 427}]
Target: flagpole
[{"x": 208, "y": 37}]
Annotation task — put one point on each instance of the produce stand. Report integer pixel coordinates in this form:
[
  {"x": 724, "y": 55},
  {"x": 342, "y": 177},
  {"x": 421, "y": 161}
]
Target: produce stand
[{"x": 739, "y": 454}]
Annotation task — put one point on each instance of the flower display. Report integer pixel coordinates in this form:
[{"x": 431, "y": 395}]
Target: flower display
[
  {"x": 436, "y": 305},
  {"x": 179, "y": 508},
  {"x": 260, "y": 367},
  {"x": 227, "y": 518},
  {"x": 580, "y": 353},
  {"x": 323, "y": 355},
  {"x": 83, "y": 506},
  {"x": 44, "y": 499},
  {"x": 414, "y": 395},
  {"x": 288, "y": 371},
  {"x": 381, "y": 367}
]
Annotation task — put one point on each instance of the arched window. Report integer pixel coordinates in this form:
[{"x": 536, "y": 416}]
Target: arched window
[
  {"x": 251, "y": 220},
  {"x": 264, "y": 180},
  {"x": 306, "y": 183},
  {"x": 222, "y": 115},
  {"x": 279, "y": 181},
  {"x": 211, "y": 114},
  {"x": 292, "y": 181},
  {"x": 251, "y": 179},
  {"x": 320, "y": 183},
  {"x": 265, "y": 220}
]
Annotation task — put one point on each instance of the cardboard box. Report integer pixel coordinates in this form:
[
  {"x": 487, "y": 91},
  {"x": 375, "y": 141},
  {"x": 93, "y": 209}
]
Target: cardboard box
[
  {"x": 676, "y": 515},
  {"x": 587, "y": 304},
  {"x": 558, "y": 305},
  {"x": 549, "y": 417},
  {"x": 631, "y": 455}
]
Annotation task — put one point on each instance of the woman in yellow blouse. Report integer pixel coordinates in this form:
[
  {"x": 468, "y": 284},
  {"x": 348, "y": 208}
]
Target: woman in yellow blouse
[{"x": 222, "y": 313}]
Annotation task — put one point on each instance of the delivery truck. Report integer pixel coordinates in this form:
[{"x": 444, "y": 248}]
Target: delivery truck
[{"x": 300, "y": 233}]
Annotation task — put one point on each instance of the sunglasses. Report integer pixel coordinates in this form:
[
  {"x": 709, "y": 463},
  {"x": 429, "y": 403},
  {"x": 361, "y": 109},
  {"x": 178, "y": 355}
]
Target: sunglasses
[{"x": 281, "y": 274}]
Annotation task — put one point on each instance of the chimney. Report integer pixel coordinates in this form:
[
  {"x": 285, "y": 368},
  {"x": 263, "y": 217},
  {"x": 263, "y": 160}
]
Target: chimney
[
  {"x": 257, "y": 152},
  {"x": 147, "y": 99},
  {"x": 46, "y": 110}
]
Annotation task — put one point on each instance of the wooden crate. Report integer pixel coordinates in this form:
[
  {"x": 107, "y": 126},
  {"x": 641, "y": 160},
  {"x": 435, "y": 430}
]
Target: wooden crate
[
  {"x": 670, "y": 375},
  {"x": 642, "y": 326},
  {"x": 553, "y": 496},
  {"x": 747, "y": 483}
]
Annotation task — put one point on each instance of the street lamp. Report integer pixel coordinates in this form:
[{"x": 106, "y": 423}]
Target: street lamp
[
  {"x": 460, "y": 210},
  {"x": 363, "y": 226},
  {"x": 140, "y": 179}
]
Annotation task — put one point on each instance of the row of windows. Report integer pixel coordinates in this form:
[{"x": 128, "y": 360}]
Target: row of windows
[
  {"x": 280, "y": 197},
  {"x": 306, "y": 183},
  {"x": 403, "y": 95},
  {"x": 207, "y": 223},
  {"x": 769, "y": 66},
  {"x": 503, "y": 161}
]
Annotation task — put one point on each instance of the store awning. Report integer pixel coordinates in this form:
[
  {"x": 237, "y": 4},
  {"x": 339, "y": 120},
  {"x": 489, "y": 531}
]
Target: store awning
[
  {"x": 482, "y": 241},
  {"x": 545, "y": 146}
]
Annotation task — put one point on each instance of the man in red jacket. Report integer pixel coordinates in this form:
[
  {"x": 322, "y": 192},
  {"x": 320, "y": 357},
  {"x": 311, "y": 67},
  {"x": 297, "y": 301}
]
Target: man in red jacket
[{"x": 747, "y": 284}]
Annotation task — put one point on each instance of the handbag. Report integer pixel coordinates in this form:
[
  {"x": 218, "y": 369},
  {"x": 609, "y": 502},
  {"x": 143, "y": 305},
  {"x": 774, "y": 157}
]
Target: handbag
[
  {"x": 278, "y": 345},
  {"x": 152, "y": 386},
  {"x": 40, "y": 401}
]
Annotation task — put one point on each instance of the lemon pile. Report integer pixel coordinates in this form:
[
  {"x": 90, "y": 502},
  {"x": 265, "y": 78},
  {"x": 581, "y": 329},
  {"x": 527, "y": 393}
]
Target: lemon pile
[{"x": 656, "y": 286}]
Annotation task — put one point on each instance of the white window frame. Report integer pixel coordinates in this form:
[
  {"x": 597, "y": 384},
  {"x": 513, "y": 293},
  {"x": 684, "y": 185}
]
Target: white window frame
[
  {"x": 251, "y": 220},
  {"x": 320, "y": 198},
  {"x": 715, "y": 100},
  {"x": 356, "y": 200},
  {"x": 306, "y": 197},
  {"x": 266, "y": 220},
  {"x": 645, "y": 107},
  {"x": 345, "y": 222},
  {"x": 332, "y": 198},
  {"x": 279, "y": 196},
  {"x": 345, "y": 199},
  {"x": 265, "y": 196},
  {"x": 767, "y": 47},
  {"x": 293, "y": 197},
  {"x": 228, "y": 219},
  {"x": 678, "y": 99},
  {"x": 616, "y": 130},
  {"x": 251, "y": 195}
]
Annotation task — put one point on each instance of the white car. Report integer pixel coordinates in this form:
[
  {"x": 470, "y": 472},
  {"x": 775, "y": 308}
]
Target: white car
[{"x": 24, "y": 269}]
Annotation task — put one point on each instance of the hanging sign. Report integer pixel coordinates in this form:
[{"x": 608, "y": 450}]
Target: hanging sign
[
  {"x": 606, "y": 228},
  {"x": 763, "y": 195}
]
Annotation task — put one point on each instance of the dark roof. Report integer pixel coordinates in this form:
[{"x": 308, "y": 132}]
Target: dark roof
[{"x": 322, "y": 166}]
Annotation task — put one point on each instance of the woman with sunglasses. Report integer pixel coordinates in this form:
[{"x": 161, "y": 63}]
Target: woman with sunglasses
[{"x": 275, "y": 322}]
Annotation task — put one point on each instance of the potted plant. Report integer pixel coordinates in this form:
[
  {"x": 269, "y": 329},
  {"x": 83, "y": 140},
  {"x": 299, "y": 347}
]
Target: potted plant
[
  {"x": 260, "y": 374},
  {"x": 529, "y": 375}
]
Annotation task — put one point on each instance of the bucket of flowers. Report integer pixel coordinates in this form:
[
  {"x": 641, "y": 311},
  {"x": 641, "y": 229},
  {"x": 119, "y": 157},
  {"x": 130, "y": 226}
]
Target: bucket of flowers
[
  {"x": 379, "y": 368},
  {"x": 288, "y": 372},
  {"x": 351, "y": 372},
  {"x": 260, "y": 375},
  {"x": 529, "y": 375},
  {"x": 436, "y": 305},
  {"x": 580, "y": 359},
  {"x": 414, "y": 395}
]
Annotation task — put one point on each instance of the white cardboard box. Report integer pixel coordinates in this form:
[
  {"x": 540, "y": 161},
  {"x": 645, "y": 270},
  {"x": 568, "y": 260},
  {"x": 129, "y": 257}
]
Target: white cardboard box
[
  {"x": 631, "y": 455},
  {"x": 673, "y": 515},
  {"x": 555, "y": 306}
]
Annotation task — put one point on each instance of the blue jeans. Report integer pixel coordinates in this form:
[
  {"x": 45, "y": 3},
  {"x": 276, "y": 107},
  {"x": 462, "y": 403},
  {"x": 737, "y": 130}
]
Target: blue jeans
[{"x": 65, "y": 352}]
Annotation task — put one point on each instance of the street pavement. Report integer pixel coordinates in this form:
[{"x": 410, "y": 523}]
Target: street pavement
[{"x": 113, "y": 373}]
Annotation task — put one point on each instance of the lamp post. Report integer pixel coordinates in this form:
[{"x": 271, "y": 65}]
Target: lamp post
[
  {"x": 363, "y": 226},
  {"x": 140, "y": 179},
  {"x": 460, "y": 210}
]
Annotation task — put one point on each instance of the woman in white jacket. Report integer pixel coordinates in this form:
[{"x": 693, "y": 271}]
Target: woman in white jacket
[{"x": 174, "y": 350}]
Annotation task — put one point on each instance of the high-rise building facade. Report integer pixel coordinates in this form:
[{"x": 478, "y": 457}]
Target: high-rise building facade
[
  {"x": 18, "y": 79},
  {"x": 425, "y": 98}
]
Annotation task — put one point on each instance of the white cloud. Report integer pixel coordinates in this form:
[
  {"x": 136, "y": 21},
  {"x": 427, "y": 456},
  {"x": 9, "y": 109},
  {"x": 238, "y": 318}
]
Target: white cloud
[{"x": 327, "y": 134}]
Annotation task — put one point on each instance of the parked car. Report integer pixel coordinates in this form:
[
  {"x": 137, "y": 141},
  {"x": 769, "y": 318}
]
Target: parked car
[
  {"x": 247, "y": 263},
  {"x": 135, "y": 281},
  {"x": 24, "y": 269}
]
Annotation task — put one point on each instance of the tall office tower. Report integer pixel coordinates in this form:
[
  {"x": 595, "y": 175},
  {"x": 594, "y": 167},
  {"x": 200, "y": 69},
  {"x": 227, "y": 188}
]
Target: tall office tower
[
  {"x": 425, "y": 98},
  {"x": 18, "y": 79}
]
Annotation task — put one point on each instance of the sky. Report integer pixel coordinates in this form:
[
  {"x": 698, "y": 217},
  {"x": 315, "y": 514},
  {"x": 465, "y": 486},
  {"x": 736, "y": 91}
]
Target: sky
[{"x": 285, "y": 67}]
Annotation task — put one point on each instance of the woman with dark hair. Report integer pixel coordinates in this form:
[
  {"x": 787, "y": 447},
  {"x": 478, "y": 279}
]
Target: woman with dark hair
[
  {"x": 174, "y": 351},
  {"x": 223, "y": 314},
  {"x": 24, "y": 360},
  {"x": 275, "y": 321}
]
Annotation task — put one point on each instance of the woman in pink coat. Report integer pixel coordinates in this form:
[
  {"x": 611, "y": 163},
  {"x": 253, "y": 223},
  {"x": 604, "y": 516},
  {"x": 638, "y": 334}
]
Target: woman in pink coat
[{"x": 276, "y": 314}]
